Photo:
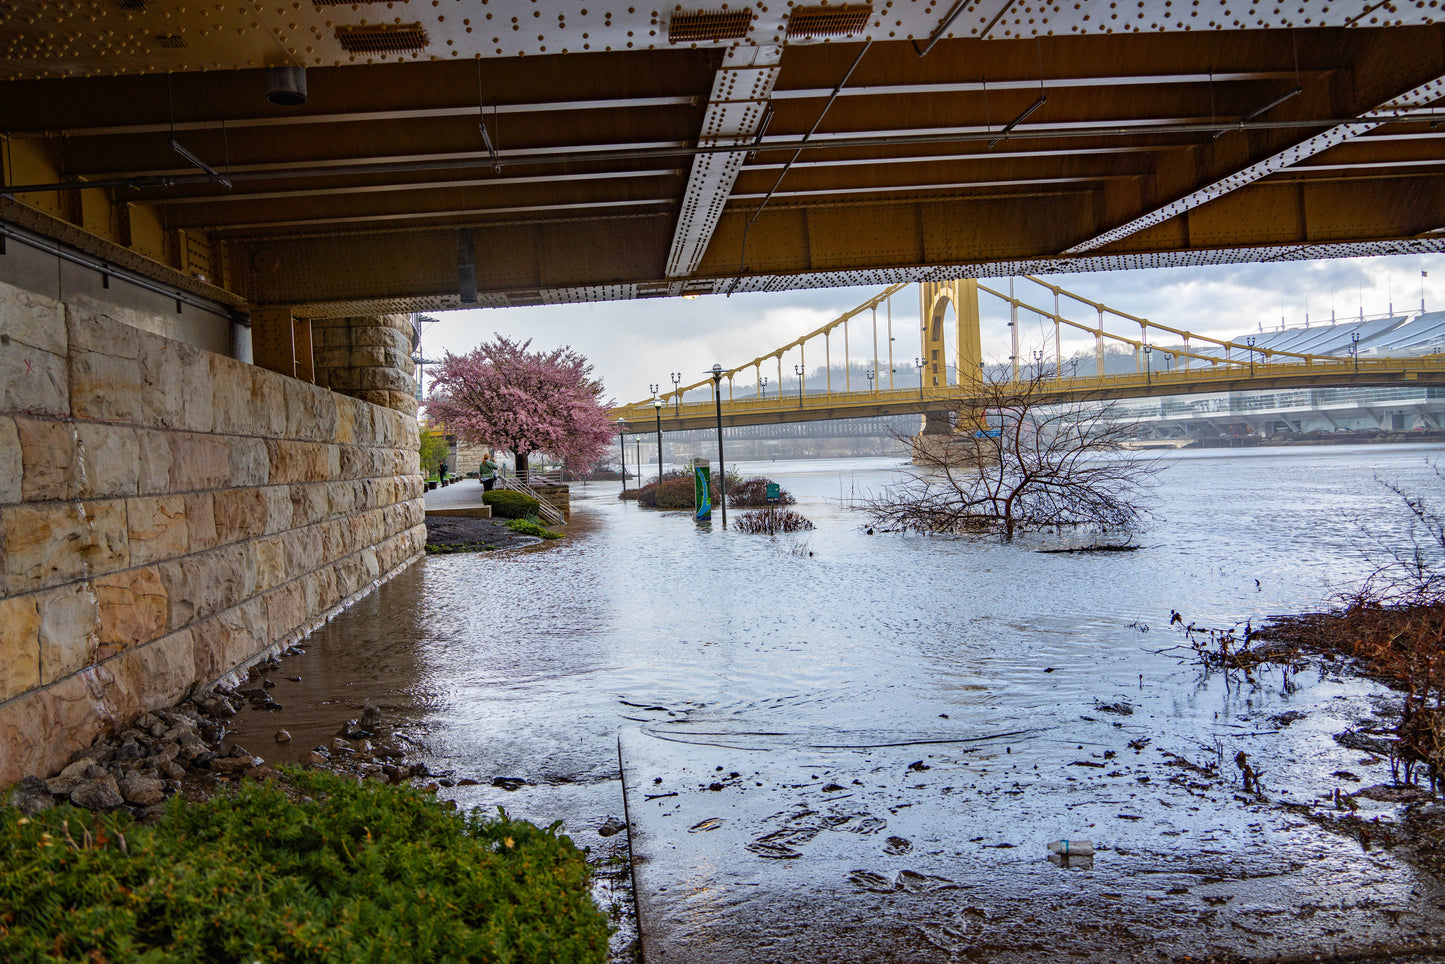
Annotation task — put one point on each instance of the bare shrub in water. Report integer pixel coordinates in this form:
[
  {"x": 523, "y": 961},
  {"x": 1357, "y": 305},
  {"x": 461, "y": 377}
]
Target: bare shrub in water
[
  {"x": 1020, "y": 460},
  {"x": 1393, "y": 624},
  {"x": 771, "y": 521},
  {"x": 1408, "y": 567}
]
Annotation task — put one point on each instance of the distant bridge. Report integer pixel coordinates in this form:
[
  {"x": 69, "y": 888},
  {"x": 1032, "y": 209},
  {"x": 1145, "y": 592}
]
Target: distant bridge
[{"x": 1399, "y": 351}]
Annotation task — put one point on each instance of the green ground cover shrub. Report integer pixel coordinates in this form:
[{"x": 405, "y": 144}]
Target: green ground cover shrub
[
  {"x": 507, "y": 504},
  {"x": 348, "y": 872},
  {"x": 530, "y": 527}
]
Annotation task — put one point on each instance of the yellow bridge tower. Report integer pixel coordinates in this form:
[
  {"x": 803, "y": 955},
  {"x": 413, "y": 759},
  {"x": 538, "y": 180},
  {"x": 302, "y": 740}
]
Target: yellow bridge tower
[{"x": 935, "y": 297}]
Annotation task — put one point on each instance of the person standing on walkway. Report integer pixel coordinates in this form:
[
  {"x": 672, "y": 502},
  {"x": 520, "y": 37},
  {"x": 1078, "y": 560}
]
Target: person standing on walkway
[{"x": 488, "y": 472}]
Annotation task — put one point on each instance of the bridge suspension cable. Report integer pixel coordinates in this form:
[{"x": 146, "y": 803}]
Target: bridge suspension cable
[{"x": 1209, "y": 364}]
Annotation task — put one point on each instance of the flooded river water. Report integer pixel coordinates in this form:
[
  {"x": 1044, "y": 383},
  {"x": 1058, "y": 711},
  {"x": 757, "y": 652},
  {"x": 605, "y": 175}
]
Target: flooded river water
[{"x": 838, "y": 659}]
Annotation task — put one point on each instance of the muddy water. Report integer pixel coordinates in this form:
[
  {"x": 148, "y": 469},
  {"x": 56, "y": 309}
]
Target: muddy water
[{"x": 823, "y": 654}]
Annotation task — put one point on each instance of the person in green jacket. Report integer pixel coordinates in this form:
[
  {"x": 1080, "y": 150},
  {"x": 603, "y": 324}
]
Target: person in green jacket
[{"x": 488, "y": 472}]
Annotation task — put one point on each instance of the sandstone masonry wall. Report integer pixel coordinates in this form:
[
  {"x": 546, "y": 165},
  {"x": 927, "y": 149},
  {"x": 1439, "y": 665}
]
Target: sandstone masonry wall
[{"x": 169, "y": 515}]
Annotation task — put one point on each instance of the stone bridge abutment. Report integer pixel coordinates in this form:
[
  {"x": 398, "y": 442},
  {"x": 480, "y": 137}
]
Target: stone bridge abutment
[{"x": 169, "y": 514}]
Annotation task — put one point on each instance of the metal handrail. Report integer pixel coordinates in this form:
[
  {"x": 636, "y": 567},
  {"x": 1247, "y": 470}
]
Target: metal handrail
[{"x": 545, "y": 509}]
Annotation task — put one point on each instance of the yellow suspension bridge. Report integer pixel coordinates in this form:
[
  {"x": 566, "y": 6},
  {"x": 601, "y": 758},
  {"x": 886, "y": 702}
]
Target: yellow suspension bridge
[{"x": 948, "y": 380}]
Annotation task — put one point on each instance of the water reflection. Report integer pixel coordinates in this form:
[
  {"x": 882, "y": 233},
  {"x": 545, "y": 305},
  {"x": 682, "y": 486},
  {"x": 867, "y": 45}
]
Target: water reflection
[{"x": 526, "y": 664}]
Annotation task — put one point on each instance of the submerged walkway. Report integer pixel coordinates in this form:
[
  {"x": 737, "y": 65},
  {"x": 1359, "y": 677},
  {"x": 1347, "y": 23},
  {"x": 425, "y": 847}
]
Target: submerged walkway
[
  {"x": 467, "y": 492},
  {"x": 791, "y": 847}
]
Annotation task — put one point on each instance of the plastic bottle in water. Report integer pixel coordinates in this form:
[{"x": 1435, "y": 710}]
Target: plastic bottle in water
[{"x": 1072, "y": 848}]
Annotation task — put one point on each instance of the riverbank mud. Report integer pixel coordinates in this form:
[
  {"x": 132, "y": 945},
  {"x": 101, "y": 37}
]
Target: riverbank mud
[{"x": 937, "y": 849}]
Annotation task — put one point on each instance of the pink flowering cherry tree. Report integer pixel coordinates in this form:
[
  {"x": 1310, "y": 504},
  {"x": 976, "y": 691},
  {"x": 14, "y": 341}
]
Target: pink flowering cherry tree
[{"x": 502, "y": 394}]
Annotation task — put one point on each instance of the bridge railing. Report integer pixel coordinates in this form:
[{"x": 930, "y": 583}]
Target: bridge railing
[{"x": 641, "y": 416}]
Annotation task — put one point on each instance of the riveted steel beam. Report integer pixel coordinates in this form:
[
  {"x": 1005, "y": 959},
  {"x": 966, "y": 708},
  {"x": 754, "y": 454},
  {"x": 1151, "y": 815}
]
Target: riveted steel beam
[
  {"x": 735, "y": 115},
  {"x": 1409, "y": 73}
]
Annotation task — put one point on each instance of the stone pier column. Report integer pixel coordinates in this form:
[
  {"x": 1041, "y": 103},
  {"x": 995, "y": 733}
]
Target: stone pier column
[{"x": 367, "y": 357}]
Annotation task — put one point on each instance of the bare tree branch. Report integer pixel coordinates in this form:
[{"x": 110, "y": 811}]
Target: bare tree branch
[
  {"x": 1015, "y": 462},
  {"x": 1409, "y": 566}
]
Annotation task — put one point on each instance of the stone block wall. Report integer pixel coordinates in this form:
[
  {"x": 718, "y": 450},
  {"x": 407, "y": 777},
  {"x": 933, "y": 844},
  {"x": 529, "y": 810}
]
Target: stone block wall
[
  {"x": 367, "y": 358},
  {"x": 559, "y": 495},
  {"x": 169, "y": 515}
]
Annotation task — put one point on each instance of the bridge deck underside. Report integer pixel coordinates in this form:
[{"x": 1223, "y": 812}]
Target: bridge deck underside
[{"x": 1128, "y": 149}]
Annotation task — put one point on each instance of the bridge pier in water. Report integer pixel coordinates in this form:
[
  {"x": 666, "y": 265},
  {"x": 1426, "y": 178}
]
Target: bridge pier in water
[
  {"x": 170, "y": 514},
  {"x": 935, "y": 300}
]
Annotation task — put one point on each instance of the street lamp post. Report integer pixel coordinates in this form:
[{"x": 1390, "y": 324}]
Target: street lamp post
[
  {"x": 798, "y": 370},
  {"x": 722, "y": 479},
  {"x": 676, "y": 399},
  {"x": 870, "y": 373},
  {"x": 1250, "y": 342},
  {"x": 1148, "y": 374},
  {"x": 762, "y": 386},
  {"x": 657, "y": 411},
  {"x": 1355, "y": 348},
  {"x": 1038, "y": 354},
  {"x": 919, "y": 363},
  {"x": 622, "y": 447}
]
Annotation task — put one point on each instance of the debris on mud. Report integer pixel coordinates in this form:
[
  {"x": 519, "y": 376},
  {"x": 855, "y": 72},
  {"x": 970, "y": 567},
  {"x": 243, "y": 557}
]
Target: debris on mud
[{"x": 1400, "y": 645}]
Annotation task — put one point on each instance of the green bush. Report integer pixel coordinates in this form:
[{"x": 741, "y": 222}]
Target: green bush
[
  {"x": 753, "y": 494},
  {"x": 349, "y": 872},
  {"x": 672, "y": 494},
  {"x": 507, "y": 504},
  {"x": 530, "y": 527}
]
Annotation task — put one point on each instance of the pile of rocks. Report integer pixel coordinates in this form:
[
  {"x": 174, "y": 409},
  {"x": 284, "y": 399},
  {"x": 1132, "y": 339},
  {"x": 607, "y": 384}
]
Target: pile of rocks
[
  {"x": 369, "y": 749},
  {"x": 184, "y": 751},
  {"x": 145, "y": 763}
]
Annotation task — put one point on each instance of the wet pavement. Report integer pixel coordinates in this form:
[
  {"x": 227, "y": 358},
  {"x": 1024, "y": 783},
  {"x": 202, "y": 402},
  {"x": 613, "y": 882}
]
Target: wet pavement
[{"x": 464, "y": 492}]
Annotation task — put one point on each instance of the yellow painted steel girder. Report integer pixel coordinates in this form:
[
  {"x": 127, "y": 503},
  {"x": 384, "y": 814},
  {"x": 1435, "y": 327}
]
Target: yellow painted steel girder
[{"x": 817, "y": 406}]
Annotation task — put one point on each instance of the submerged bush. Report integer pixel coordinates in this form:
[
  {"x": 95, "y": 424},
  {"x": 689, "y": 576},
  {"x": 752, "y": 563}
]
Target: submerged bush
[
  {"x": 676, "y": 492},
  {"x": 753, "y": 494},
  {"x": 507, "y": 504},
  {"x": 349, "y": 872},
  {"x": 770, "y": 521},
  {"x": 672, "y": 494}
]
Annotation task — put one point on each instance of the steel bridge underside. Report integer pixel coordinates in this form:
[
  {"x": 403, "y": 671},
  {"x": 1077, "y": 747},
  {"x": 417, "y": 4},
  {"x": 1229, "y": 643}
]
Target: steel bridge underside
[{"x": 455, "y": 155}]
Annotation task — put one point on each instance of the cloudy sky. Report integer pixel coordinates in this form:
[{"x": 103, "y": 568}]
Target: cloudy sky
[{"x": 634, "y": 344}]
